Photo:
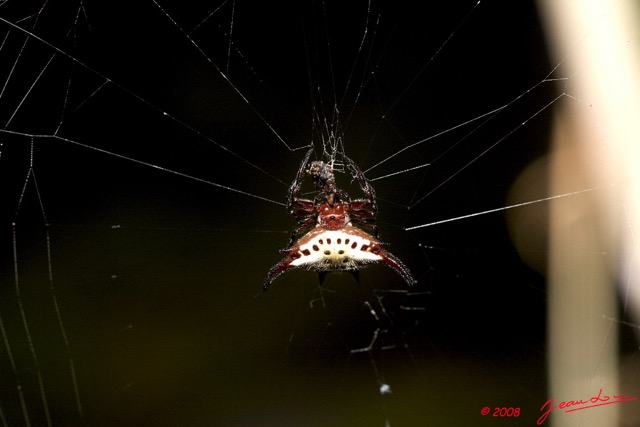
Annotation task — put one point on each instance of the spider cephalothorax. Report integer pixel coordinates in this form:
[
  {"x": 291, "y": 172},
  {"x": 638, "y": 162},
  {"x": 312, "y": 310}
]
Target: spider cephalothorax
[{"x": 330, "y": 241}]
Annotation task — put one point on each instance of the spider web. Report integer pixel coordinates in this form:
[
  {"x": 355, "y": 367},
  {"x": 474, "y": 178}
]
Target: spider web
[{"x": 145, "y": 156}]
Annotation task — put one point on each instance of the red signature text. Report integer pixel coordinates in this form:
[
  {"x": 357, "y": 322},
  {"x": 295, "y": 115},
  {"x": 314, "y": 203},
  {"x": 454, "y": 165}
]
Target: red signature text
[{"x": 578, "y": 405}]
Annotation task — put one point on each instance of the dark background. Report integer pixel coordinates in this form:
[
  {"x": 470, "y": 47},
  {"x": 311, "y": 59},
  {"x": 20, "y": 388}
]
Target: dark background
[{"x": 158, "y": 274}]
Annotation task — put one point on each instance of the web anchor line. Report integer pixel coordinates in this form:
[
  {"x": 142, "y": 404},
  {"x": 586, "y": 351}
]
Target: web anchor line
[{"x": 517, "y": 205}]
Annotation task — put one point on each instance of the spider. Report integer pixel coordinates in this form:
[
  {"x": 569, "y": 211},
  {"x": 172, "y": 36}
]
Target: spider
[{"x": 332, "y": 227}]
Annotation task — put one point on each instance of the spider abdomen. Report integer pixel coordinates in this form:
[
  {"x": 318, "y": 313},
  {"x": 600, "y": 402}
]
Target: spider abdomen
[
  {"x": 329, "y": 250},
  {"x": 349, "y": 248}
]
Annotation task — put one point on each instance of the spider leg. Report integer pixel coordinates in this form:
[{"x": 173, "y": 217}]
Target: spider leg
[
  {"x": 305, "y": 225},
  {"x": 302, "y": 209},
  {"x": 363, "y": 211},
  {"x": 370, "y": 202},
  {"x": 293, "y": 201},
  {"x": 362, "y": 215}
]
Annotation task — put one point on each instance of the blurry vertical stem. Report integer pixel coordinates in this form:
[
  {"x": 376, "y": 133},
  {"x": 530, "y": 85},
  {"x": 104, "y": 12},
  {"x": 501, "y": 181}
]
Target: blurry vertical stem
[{"x": 591, "y": 236}]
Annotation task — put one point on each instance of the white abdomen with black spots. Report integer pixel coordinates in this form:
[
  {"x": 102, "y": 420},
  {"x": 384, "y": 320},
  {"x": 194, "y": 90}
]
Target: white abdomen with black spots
[{"x": 327, "y": 250}]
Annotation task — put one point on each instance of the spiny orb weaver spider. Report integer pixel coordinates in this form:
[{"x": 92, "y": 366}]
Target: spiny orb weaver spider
[{"x": 331, "y": 241}]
